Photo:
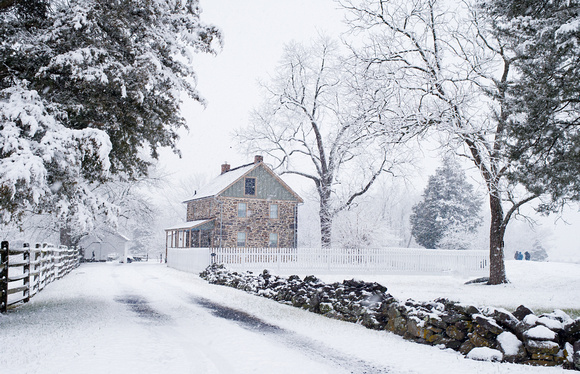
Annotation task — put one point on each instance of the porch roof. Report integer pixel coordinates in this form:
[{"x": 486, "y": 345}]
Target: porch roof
[{"x": 189, "y": 225}]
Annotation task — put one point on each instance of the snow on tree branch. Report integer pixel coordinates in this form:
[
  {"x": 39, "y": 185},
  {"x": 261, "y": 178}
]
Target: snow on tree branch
[
  {"x": 89, "y": 91},
  {"x": 330, "y": 119}
]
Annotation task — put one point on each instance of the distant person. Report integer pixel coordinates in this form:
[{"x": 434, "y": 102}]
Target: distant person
[{"x": 528, "y": 256}]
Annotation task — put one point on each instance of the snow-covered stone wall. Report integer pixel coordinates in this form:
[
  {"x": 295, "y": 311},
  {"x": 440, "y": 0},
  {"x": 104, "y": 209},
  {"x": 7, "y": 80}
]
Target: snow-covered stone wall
[{"x": 483, "y": 334}]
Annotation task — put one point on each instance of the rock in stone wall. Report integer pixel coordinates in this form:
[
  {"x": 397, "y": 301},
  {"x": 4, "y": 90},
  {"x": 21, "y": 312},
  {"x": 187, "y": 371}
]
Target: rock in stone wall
[{"x": 489, "y": 333}]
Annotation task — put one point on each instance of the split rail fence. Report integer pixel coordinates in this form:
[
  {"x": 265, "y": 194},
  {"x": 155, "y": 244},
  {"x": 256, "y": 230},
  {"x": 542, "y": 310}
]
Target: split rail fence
[
  {"x": 25, "y": 271},
  {"x": 380, "y": 261}
]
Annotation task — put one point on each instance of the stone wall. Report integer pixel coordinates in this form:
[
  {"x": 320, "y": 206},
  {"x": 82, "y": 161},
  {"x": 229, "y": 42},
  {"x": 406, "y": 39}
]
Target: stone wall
[
  {"x": 257, "y": 224},
  {"x": 486, "y": 334},
  {"x": 202, "y": 209}
]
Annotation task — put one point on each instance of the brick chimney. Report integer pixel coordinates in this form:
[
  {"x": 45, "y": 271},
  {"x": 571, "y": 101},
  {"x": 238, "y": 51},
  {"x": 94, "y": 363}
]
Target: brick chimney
[
  {"x": 258, "y": 159},
  {"x": 225, "y": 167}
]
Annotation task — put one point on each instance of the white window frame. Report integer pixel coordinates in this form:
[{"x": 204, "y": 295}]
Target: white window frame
[
  {"x": 270, "y": 240},
  {"x": 255, "y": 186},
  {"x": 243, "y": 235},
  {"x": 245, "y": 210},
  {"x": 277, "y": 210}
]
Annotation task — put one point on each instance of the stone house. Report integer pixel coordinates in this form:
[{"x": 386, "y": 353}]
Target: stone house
[{"x": 247, "y": 206}]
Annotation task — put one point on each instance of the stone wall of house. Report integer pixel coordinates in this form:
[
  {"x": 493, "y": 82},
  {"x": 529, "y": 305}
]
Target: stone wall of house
[
  {"x": 202, "y": 209},
  {"x": 551, "y": 339},
  {"x": 257, "y": 224}
]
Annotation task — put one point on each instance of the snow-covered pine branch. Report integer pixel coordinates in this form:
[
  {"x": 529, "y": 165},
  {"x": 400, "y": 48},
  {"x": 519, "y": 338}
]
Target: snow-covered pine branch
[{"x": 89, "y": 91}]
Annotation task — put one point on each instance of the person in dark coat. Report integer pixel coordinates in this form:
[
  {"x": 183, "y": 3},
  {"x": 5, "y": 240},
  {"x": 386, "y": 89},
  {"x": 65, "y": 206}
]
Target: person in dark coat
[{"x": 528, "y": 256}]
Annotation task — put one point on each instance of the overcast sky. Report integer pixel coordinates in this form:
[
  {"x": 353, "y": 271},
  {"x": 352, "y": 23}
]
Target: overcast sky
[{"x": 255, "y": 32}]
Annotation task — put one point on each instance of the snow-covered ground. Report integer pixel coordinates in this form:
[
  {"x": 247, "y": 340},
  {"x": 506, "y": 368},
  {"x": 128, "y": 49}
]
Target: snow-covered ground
[
  {"x": 541, "y": 286},
  {"x": 147, "y": 318}
]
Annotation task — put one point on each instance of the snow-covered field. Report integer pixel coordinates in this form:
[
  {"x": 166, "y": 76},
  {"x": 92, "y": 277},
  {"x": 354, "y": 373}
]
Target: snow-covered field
[
  {"x": 541, "y": 286},
  {"x": 147, "y": 318}
]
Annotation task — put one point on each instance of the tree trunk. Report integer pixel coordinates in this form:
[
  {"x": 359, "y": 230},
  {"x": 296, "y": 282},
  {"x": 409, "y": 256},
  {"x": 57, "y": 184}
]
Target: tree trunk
[
  {"x": 496, "y": 244},
  {"x": 325, "y": 220},
  {"x": 325, "y": 231}
]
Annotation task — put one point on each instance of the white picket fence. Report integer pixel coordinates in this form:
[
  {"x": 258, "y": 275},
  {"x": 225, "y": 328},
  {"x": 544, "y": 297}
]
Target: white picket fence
[{"x": 337, "y": 261}]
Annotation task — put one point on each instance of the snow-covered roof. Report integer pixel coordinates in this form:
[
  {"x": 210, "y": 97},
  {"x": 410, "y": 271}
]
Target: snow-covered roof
[
  {"x": 123, "y": 237},
  {"x": 222, "y": 182},
  {"x": 189, "y": 225},
  {"x": 105, "y": 235}
]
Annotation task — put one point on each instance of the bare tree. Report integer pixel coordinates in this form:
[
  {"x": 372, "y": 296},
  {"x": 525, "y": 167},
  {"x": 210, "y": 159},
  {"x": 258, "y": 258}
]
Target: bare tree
[
  {"x": 456, "y": 74},
  {"x": 379, "y": 219},
  {"x": 330, "y": 120}
]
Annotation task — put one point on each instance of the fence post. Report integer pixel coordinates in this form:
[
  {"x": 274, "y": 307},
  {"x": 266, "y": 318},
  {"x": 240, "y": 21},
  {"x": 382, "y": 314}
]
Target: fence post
[
  {"x": 26, "y": 271},
  {"x": 77, "y": 254},
  {"x": 37, "y": 267},
  {"x": 3, "y": 276}
]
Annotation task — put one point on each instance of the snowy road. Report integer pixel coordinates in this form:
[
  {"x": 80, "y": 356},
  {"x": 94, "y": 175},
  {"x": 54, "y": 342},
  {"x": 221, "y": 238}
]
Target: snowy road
[{"x": 146, "y": 318}]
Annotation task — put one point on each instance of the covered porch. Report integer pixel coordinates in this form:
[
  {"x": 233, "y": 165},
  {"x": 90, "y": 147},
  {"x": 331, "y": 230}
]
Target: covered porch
[{"x": 193, "y": 234}]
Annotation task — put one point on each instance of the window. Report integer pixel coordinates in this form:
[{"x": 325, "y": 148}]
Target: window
[
  {"x": 273, "y": 210},
  {"x": 273, "y": 240},
  {"x": 241, "y": 239},
  {"x": 250, "y": 186},
  {"x": 242, "y": 210}
]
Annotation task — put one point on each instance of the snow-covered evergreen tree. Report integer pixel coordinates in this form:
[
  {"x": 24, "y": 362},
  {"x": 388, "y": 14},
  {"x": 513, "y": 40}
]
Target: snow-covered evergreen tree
[
  {"x": 89, "y": 90},
  {"x": 450, "y": 210},
  {"x": 543, "y": 104}
]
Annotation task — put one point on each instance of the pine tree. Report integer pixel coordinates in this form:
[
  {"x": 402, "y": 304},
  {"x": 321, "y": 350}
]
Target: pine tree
[
  {"x": 89, "y": 90},
  {"x": 449, "y": 209},
  {"x": 543, "y": 101}
]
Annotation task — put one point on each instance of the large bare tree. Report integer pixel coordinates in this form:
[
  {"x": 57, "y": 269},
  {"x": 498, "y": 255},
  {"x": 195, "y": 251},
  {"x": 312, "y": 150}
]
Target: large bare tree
[
  {"x": 330, "y": 120},
  {"x": 457, "y": 75}
]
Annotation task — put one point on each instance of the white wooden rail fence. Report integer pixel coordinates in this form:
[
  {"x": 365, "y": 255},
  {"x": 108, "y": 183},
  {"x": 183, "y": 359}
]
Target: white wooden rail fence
[
  {"x": 338, "y": 261},
  {"x": 25, "y": 271}
]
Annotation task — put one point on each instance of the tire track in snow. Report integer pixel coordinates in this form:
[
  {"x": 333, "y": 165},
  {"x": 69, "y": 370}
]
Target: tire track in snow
[
  {"x": 141, "y": 307},
  {"x": 194, "y": 357},
  {"x": 310, "y": 347}
]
